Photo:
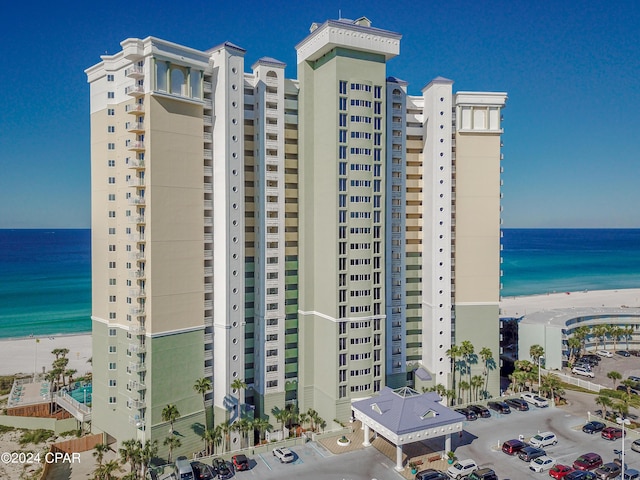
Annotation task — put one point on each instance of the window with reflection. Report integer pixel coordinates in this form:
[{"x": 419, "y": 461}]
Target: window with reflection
[
  {"x": 161, "y": 76},
  {"x": 178, "y": 83},
  {"x": 195, "y": 84}
]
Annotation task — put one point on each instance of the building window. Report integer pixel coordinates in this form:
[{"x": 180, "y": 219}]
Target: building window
[
  {"x": 343, "y": 359},
  {"x": 112, "y": 281},
  {"x": 112, "y": 299},
  {"x": 272, "y": 383},
  {"x": 111, "y": 112},
  {"x": 343, "y": 87},
  {"x": 111, "y": 129},
  {"x": 113, "y": 382},
  {"x": 112, "y": 264},
  {"x": 111, "y": 146},
  {"x": 112, "y": 214},
  {"x": 112, "y": 315},
  {"x": 112, "y": 400},
  {"x": 112, "y": 365},
  {"x": 112, "y": 332},
  {"x": 342, "y": 391},
  {"x": 342, "y": 103},
  {"x": 111, "y": 163},
  {"x": 112, "y": 349},
  {"x": 343, "y": 119},
  {"x": 111, "y": 95},
  {"x": 112, "y": 180},
  {"x": 112, "y": 197}
]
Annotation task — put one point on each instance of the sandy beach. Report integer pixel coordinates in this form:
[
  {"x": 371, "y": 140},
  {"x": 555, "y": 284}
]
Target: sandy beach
[
  {"x": 24, "y": 355},
  {"x": 519, "y": 306}
]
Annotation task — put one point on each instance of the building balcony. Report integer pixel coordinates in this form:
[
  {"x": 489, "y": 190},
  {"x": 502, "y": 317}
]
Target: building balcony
[
  {"x": 137, "y": 348},
  {"x": 208, "y": 288},
  {"x": 208, "y": 204},
  {"x": 207, "y": 120},
  {"x": 137, "y": 292},
  {"x": 208, "y": 221},
  {"x": 136, "y": 163},
  {"x": 208, "y": 271},
  {"x": 136, "y": 182},
  {"x": 134, "y": 90},
  {"x": 207, "y": 137},
  {"x": 136, "y": 403},
  {"x": 208, "y": 337},
  {"x": 136, "y": 386},
  {"x": 139, "y": 274},
  {"x": 136, "y": 146},
  {"x": 136, "y": 311},
  {"x": 208, "y": 371},
  {"x": 208, "y": 254},
  {"x": 137, "y": 421},
  {"x": 137, "y": 237},
  {"x": 207, "y": 153},
  {"x": 208, "y": 187},
  {"x": 137, "y": 367},
  {"x": 207, "y": 87},
  {"x": 136, "y": 200},
  {"x": 137, "y": 330},
  {"x": 136, "y": 108},
  {"x": 208, "y": 171},
  {"x": 135, "y": 127},
  {"x": 136, "y": 71},
  {"x": 208, "y": 238}
]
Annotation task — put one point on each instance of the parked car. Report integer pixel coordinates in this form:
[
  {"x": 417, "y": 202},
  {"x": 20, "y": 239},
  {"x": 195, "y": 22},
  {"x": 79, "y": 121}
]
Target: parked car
[
  {"x": 633, "y": 378},
  {"x": 534, "y": 399},
  {"x": 468, "y": 413},
  {"x": 608, "y": 470},
  {"x": 543, "y": 439},
  {"x": 586, "y": 366},
  {"x": 541, "y": 464},
  {"x": 580, "y": 475},
  {"x": 631, "y": 474},
  {"x": 284, "y": 455},
  {"x": 623, "y": 353},
  {"x": 479, "y": 410},
  {"x": 559, "y": 471},
  {"x": 591, "y": 358},
  {"x": 431, "y": 474},
  {"x": 517, "y": 404},
  {"x": 604, "y": 353},
  {"x": 588, "y": 461},
  {"x": 582, "y": 371},
  {"x": 529, "y": 453},
  {"x": 593, "y": 427},
  {"x": 611, "y": 433},
  {"x": 632, "y": 390},
  {"x": 513, "y": 447},
  {"x": 635, "y": 446},
  {"x": 482, "y": 474},
  {"x": 635, "y": 353},
  {"x": 221, "y": 468},
  {"x": 461, "y": 468},
  {"x": 202, "y": 471},
  {"x": 240, "y": 462},
  {"x": 499, "y": 407}
]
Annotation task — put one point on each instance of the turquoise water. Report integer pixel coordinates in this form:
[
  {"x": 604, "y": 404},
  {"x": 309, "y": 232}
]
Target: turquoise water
[
  {"x": 82, "y": 394},
  {"x": 45, "y": 275}
]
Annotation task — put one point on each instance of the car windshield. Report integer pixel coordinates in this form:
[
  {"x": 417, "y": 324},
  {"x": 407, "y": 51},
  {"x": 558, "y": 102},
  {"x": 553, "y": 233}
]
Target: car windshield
[
  {"x": 538, "y": 437},
  {"x": 539, "y": 460},
  {"x": 458, "y": 466}
]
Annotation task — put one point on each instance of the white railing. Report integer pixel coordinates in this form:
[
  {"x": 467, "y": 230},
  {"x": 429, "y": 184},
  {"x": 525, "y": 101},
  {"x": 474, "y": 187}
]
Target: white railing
[
  {"x": 594, "y": 387},
  {"x": 79, "y": 410}
]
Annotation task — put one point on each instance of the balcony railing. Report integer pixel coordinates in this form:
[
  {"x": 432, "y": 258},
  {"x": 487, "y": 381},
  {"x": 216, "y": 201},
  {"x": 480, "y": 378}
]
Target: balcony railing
[
  {"x": 134, "y": 90},
  {"x": 137, "y": 292},
  {"x": 135, "y": 126},
  {"x": 136, "y": 163},
  {"x": 137, "y": 330},
  {"x": 136, "y": 108},
  {"x": 137, "y": 421},
  {"x": 137, "y": 367},
  {"x": 136, "y": 146},
  {"x": 137, "y": 348},
  {"x": 134, "y": 385},
  {"x": 136, "y": 200},
  {"x": 135, "y": 72}
]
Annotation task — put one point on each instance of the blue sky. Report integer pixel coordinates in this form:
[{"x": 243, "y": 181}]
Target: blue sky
[{"x": 571, "y": 69}]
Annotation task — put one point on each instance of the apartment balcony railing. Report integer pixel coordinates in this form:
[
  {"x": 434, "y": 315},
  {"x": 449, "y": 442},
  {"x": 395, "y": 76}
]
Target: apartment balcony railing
[
  {"x": 208, "y": 171},
  {"x": 207, "y": 87},
  {"x": 136, "y": 403},
  {"x": 137, "y": 421},
  {"x": 136, "y": 386},
  {"x": 208, "y": 238},
  {"x": 136, "y": 182},
  {"x": 207, "y": 120},
  {"x": 208, "y": 204},
  {"x": 137, "y": 330},
  {"x": 137, "y": 367},
  {"x": 135, "y": 127},
  {"x": 136, "y": 108},
  {"x": 136, "y": 200},
  {"x": 207, "y": 154},
  {"x": 207, "y": 137},
  {"x": 137, "y": 348},
  {"x": 134, "y": 90},
  {"x": 137, "y": 292},
  {"x": 136, "y": 163},
  {"x": 136, "y": 146},
  {"x": 134, "y": 72},
  {"x": 136, "y": 310}
]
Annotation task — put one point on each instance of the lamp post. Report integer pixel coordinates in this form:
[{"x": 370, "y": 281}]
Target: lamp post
[
  {"x": 623, "y": 422},
  {"x": 539, "y": 367}
]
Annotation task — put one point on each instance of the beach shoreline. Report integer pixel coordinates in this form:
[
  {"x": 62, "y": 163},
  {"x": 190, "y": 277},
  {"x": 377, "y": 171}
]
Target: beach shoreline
[{"x": 29, "y": 355}]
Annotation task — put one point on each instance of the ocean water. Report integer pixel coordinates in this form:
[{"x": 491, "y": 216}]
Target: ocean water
[
  {"x": 45, "y": 275},
  {"x": 537, "y": 261},
  {"x": 45, "y": 282}
]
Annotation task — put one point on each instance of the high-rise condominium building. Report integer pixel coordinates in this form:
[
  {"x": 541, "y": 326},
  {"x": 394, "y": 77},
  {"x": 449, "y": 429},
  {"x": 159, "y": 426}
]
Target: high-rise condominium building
[{"x": 316, "y": 238}]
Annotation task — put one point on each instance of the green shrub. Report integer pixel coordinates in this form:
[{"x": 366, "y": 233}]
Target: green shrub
[{"x": 35, "y": 436}]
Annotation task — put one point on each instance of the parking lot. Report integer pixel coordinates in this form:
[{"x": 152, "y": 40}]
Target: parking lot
[
  {"x": 625, "y": 365},
  {"x": 481, "y": 441}
]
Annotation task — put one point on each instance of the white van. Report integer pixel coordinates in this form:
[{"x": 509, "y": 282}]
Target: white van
[
  {"x": 582, "y": 371},
  {"x": 184, "y": 471},
  {"x": 604, "y": 353}
]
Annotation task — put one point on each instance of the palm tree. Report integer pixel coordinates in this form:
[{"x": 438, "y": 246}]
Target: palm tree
[
  {"x": 262, "y": 425},
  {"x": 237, "y": 386},
  {"x": 615, "y": 376},
  {"x": 148, "y": 453},
  {"x": 468, "y": 354},
  {"x": 60, "y": 352},
  {"x": 574, "y": 345},
  {"x": 280, "y": 415},
  {"x": 464, "y": 386},
  {"x": 322, "y": 425},
  {"x": 172, "y": 442},
  {"x": 169, "y": 414},
  {"x": 629, "y": 384},
  {"x": 489, "y": 364},
  {"x": 106, "y": 471},
  {"x": 99, "y": 450},
  {"x": 628, "y": 334},
  {"x": 599, "y": 332},
  {"x": 69, "y": 373},
  {"x": 292, "y": 414},
  {"x": 304, "y": 418},
  {"x": 552, "y": 384},
  {"x": 536, "y": 352},
  {"x": 605, "y": 402},
  {"x": 202, "y": 386},
  {"x": 313, "y": 418},
  {"x": 210, "y": 440},
  {"x": 453, "y": 353},
  {"x": 518, "y": 379},
  {"x": 131, "y": 452},
  {"x": 476, "y": 383},
  {"x": 225, "y": 428},
  {"x": 616, "y": 332}
]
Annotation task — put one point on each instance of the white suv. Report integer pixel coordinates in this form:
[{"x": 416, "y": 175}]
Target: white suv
[
  {"x": 284, "y": 455},
  {"x": 604, "y": 353},
  {"x": 582, "y": 371},
  {"x": 543, "y": 439},
  {"x": 461, "y": 468},
  {"x": 534, "y": 399}
]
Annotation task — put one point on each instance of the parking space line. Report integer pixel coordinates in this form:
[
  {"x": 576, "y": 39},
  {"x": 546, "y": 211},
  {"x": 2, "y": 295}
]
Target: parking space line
[
  {"x": 317, "y": 450},
  {"x": 265, "y": 462}
]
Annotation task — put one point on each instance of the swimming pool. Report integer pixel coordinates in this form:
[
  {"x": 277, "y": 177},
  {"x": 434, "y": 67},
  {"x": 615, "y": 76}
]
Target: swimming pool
[{"x": 82, "y": 394}]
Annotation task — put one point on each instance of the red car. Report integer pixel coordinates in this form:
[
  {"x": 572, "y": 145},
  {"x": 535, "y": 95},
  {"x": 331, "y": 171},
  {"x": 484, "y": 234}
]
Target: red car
[
  {"x": 240, "y": 462},
  {"x": 588, "y": 461},
  {"x": 611, "y": 433},
  {"x": 559, "y": 471}
]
